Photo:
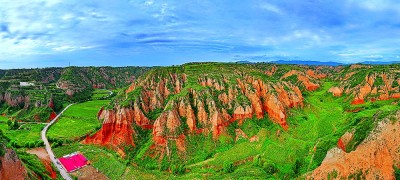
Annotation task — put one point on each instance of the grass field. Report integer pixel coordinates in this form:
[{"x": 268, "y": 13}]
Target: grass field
[
  {"x": 104, "y": 160},
  {"x": 77, "y": 121}
]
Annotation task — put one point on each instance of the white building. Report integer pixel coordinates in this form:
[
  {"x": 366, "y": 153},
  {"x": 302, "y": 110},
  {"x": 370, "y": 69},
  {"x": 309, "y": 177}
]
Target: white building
[{"x": 26, "y": 84}]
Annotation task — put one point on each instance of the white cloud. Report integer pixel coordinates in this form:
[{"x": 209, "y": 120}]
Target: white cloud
[
  {"x": 377, "y": 5},
  {"x": 67, "y": 17},
  {"x": 373, "y": 56},
  {"x": 69, "y": 48},
  {"x": 271, "y": 8},
  {"x": 149, "y": 3}
]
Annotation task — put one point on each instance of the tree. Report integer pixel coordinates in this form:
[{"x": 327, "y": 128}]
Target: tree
[
  {"x": 9, "y": 123},
  {"x": 15, "y": 125},
  {"x": 270, "y": 168},
  {"x": 178, "y": 169},
  {"x": 297, "y": 165},
  {"x": 397, "y": 173}
]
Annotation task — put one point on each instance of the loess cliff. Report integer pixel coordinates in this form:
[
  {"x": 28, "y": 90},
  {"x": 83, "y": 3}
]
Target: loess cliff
[
  {"x": 10, "y": 165},
  {"x": 177, "y": 101},
  {"x": 375, "y": 158}
]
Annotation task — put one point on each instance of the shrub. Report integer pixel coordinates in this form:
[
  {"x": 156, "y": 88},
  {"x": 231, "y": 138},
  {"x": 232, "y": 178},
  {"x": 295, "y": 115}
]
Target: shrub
[
  {"x": 228, "y": 167},
  {"x": 257, "y": 161},
  {"x": 397, "y": 173},
  {"x": 297, "y": 165},
  {"x": 178, "y": 169},
  {"x": 270, "y": 168}
]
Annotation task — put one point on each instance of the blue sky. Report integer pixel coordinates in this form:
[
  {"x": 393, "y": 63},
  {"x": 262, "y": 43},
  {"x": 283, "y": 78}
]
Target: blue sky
[{"x": 42, "y": 33}]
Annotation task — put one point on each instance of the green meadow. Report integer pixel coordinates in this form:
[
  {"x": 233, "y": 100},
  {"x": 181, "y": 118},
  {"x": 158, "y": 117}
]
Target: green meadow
[{"x": 77, "y": 121}]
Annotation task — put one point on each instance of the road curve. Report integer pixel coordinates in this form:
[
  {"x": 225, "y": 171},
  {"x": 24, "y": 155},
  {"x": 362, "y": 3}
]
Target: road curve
[{"x": 56, "y": 163}]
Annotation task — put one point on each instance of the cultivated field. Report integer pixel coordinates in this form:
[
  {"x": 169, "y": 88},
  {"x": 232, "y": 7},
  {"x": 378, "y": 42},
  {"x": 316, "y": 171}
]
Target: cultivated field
[{"x": 78, "y": 121}]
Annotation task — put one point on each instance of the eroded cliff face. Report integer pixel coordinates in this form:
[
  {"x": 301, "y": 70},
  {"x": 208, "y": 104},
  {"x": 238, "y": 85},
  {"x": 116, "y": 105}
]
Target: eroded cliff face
[
  {"x": 15, "y": 100},
  {"x": 11, "y": 166},
  {"x": 304, "y": 78},
  {"x": 375, "y": 157},
  {"x": 23, "y": 102},
  {"x": 198, "y": 105},
  {"x": 117, "y": 131}
]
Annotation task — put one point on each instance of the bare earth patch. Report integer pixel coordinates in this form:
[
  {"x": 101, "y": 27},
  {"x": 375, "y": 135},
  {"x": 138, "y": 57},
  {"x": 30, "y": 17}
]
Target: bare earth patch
[
  {"x": 89, "y": 173},
  {"x": 45, "y": 158}
]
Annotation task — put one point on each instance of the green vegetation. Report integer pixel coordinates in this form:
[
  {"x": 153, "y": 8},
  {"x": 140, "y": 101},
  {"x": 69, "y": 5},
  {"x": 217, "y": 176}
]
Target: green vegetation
[
  {"x": 77, "y": 121},
  {"x": 28, "y": 135},
  {"x": 228, "y": 167},
  {"x": 397, "y": 172}
]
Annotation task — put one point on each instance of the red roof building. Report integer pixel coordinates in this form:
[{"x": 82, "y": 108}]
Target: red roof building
[{"x": 73, "y": 162}]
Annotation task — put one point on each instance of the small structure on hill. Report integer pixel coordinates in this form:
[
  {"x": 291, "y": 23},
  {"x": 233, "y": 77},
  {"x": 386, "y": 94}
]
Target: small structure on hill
[
  {"x": 24, "y": 84},
  {"x": 73, "y": 162}
]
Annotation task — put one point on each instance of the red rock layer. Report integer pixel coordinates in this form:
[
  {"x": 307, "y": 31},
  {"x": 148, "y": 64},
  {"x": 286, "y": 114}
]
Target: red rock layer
[
  {"x": 336, "y": 91},
  {"x": 117, "y": 131}
]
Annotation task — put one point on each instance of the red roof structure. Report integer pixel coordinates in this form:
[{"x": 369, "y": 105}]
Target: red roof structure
[{"x": 73, "y": 161}]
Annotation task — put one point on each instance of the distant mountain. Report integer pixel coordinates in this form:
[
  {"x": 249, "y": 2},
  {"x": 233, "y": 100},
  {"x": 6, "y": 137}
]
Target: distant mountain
[
  {"x": 380, "y": 63},
  {"x": 244, "y": 62},
  {"x": 320, "y": 63},
  {"x": 312, "y": 63}
]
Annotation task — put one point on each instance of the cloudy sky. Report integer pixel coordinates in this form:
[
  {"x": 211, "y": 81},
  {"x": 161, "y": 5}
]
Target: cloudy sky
[{"x": 42, "y": 33}]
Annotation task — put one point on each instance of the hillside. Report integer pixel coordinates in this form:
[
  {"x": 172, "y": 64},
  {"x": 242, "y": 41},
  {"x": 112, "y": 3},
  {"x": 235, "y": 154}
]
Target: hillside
[
  {"x": 46, "y": 90},
  {"x": 277, "y": 120}
]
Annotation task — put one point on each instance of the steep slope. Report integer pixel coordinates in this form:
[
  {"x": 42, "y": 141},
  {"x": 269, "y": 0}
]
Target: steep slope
[
  {"x": 11, "y": 166},
  {"x": 374, "y": 158},
  {"x": 203, "y": 99},
  {"x": 76, "y": 79}
]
